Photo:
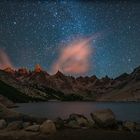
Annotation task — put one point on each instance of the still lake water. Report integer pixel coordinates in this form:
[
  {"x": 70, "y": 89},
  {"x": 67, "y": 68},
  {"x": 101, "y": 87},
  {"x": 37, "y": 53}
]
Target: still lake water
[{"x": 52, "y": 110}]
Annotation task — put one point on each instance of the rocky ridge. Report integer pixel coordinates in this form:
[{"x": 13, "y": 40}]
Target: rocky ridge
[{"x": 43, "y": 86}]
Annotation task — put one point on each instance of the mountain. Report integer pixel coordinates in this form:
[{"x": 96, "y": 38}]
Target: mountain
[
  {"x": 39, "y": 85},
  {"x": 11, "y": 93},
  {"x": 125, "y": 88}
]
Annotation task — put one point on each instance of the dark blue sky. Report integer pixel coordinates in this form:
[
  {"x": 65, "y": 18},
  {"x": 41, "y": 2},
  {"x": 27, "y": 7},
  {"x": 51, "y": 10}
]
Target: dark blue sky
[{"x": 31, "y": 32}]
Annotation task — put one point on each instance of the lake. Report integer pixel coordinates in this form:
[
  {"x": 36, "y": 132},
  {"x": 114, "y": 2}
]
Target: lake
[{"x": 52, "y": 110}]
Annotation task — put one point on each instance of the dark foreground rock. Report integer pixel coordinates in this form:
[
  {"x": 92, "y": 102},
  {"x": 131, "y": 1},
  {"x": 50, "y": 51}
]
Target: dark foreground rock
[
  {"x": 77, "y": 121},
  {"x": 15, "y": 125},
  {"x": 3, "y": 124},
  {"x": 128, "y": 125},
  {"x": 8, "y": 113},
  {"x": 48, "y": 127},
  {"x": 104, "y": 118},
  {"x": 33, "y": 128},
  {"x": 59, "y": 123},
  {"x": 137, "y": 126}
]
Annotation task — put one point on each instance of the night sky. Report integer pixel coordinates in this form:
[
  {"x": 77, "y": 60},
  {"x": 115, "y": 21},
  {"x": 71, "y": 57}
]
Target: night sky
[{"x": 32, "y": 32}]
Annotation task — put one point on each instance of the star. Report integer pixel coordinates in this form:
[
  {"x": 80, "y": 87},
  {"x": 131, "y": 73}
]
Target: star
[
  {"x": 55, "y": 14},
  {"x": 129, "y": 59},
  {"x": 14, "y": 22}
]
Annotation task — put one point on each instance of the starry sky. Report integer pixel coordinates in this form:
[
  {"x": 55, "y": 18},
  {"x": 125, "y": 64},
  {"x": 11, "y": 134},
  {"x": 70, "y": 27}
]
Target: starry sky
[{"x": 32, "y": 31}]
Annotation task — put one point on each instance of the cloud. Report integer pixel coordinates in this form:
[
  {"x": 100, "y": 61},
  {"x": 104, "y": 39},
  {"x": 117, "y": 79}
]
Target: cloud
[
  {"x": 5, "y": 60},
  {"x": 74, "y": 58}
]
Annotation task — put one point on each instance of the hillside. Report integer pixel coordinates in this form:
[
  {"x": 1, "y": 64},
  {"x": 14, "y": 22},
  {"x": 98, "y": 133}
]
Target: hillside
[{"x": 13, "y": 94}]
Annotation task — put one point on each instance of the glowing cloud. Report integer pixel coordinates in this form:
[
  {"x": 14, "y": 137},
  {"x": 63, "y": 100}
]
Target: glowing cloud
[
  {"x": 5, "y": 60},
  {"x": 74, "y": 58}
]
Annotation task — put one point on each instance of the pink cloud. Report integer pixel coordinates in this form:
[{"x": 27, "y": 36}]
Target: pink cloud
[
  {"x": 74, "y": 58},
  {"x": 5, "y": 60}
]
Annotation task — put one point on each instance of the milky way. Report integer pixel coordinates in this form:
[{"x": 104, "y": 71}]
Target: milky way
[{"x": 33, "y": 32}]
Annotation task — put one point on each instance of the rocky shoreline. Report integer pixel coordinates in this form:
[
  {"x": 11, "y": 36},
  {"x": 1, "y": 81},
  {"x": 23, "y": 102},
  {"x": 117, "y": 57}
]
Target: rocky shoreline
[
  {"x": 15, "y": 125},
  {"x": 101, "y": 119}
]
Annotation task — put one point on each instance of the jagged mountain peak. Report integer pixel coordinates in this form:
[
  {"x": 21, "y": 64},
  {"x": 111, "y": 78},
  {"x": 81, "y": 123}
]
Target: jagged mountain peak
[
  {"x": 137, "y": 69},
  {"x": 38, "y": 68},
  {"x": 9, "y": 70},
  {"x": 94, "y": 77},
  {"x": 122, "y": 77},
  {"x": 106, "y": 78},
  {"x": 136, "y": 74},
  {"x": 22, "y": 71},
  {"x": 59, "y": 74}
]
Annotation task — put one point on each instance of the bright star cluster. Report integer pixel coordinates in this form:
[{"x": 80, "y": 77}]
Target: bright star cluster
[{"x": 32, "y": 31}]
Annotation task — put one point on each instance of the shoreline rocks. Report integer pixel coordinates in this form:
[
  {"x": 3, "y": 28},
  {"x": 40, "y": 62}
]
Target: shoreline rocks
[
  {"x": 77, "y": 121},
  {"x": 100, "y": 119},
  {"x": 104, "y": 118},
  {"x": 59, "y": 123},
  {"x": 48, "y": 127},
  {"x": 15, "y": 125},
  {"x": 33, "y": 128},
  {"x": 130, "y": 126},
  {"x": 3, "y": 124}
]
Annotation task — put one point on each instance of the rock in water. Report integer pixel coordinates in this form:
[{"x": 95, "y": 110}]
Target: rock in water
[
  {"x": 48, "y": 127},
  {"x": 2, "y": 124},
  {"x": 104, "y": 118},
  {"x": 33, "y": 128}
]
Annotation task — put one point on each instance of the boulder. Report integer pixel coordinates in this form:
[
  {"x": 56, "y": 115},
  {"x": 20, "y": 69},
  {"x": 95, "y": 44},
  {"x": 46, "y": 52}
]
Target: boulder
[
  {"x": 16, "y": 125},
  {"x": 137, "y": 126},
  {"x": 48, "y": 127},
  {"x": 33, "y": 128},
  {"x": 92, "y": 124},
  {"x": 26, "y": 124},
  {"x": 8, "y": 113},
  {"x": 59, "y": 123},
  {"x": 2, "y": 124},
  {"x": 120, "y": 128},
  {"x": 104, "y": 118},
  {"x": 120, "y": 125},
  {"x": 81, "y": 120},
  {"x": 72, "y": 124},
  {"x": 128, "y": 125}
]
